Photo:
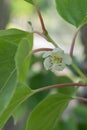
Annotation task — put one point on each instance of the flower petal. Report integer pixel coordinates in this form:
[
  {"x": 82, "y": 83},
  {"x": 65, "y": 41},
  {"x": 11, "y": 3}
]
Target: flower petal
[
  {"x": 46, "y": 54},
  {"x": 58, "y": 67},
  {"x": 57, "y": 50},
  {"x": 67, "y": 59},
  {"x": 47, "y": 63}
]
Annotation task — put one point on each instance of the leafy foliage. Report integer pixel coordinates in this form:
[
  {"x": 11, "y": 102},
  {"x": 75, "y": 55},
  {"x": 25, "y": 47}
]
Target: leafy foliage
[
  {"x": 13, "y": 35},
  {"x": 8, "y": 73},
  {"x": 46, "y": 78},
  {"x": 21, "y": 94},
  {"x": 7, "y": 63},
  {"x": 73, "y": 11},
  {"x": 47, "y": 112},
  {"x": 9, "y": 42}
]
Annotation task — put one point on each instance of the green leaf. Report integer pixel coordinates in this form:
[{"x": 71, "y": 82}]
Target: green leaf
[
  {"x": 73, "y": 11},
  {"x": 13, "y": 35},
  {"x": 8, "y": 90},
  {"x": 44, "y": 116},
  {"x": 46, "y": 78},
  {"x": 9, "y": 40},
  {"x": 39, "y": 80},
  {"x": 21, "y": 94},
  {"x": 7, "y": 62},
  {"x": 23, "y": 58},
  {"x": 20, "y": 112},
  {"x": 8, "y": 73}
]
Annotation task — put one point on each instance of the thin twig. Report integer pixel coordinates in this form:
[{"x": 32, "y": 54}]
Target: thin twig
[
  {"x": 41, "y": 49},
  {"x": 40, "y": 34},
  {"x": 81, "y": 99},
  {"x": 61, "y": 85},
  {"x": 73, "y": 43},
  {"x": 45, "y": 33},
  {"x": 40, "y": 17}
]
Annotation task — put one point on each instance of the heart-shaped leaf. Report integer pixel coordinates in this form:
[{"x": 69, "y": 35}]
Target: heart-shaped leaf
[
  {"x": 73, "y": 11},
  {"x": 45, "y": 115}
]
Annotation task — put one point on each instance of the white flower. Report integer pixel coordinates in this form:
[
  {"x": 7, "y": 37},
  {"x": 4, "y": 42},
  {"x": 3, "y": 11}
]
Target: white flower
[{"x": 56, "y": 59}]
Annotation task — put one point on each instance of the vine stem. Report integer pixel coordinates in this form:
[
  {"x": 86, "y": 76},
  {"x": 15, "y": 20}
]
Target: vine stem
[
  {"x": 46, "y": 37},
  {"x": 51, "y": 40},
  {"x": 64, "y": 85},
  {"x": 81, "y": 99},
  {"x": 73, "y": 43},
  {"x": 45, "y": 33},
  {"x": 40, "y": 17},
  {"x": 61, "y": 85},
  {"x": 40, "y": 34},
  {"x": 41, "y": 49}
]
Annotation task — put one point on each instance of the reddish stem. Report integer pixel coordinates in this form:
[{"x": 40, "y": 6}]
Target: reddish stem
[
  {"x": 41, "y": 49},
  {"x": 64, "y": 85},
  {"x": 81, "y": 99},
  {"x": 42, "y": 22},
  {"x": 73, "y": 44},
  {"x": 60, "y": 85},
  {"x": 40, "y": 17},
  {"x": 40, "y": 34}
]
